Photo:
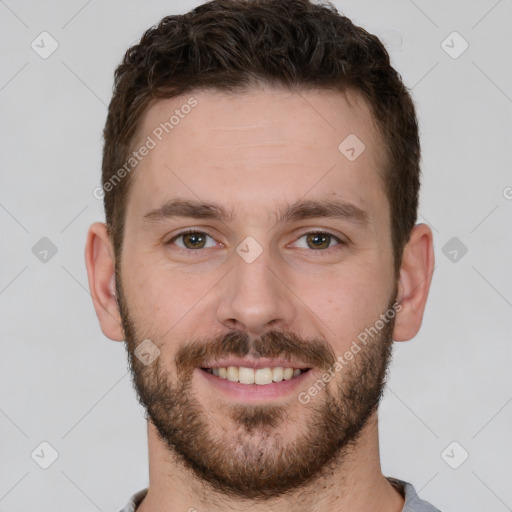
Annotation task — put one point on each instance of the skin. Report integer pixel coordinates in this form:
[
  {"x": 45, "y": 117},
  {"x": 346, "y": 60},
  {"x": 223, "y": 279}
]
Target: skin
[{"x": 253, "y": 153}]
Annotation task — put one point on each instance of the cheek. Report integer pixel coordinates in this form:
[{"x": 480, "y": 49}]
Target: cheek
[
  {"x": 160, "y": 299},
  {"x": 346, "y": 303},
  {"x": 165, "y": 300}
]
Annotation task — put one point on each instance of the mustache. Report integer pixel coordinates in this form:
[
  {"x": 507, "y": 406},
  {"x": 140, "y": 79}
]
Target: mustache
[{"x": 314, "y": 352}]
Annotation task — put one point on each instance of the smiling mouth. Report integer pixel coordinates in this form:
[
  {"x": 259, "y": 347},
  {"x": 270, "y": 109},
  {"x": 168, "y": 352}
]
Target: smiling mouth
[{"x": 259, "y": 376}]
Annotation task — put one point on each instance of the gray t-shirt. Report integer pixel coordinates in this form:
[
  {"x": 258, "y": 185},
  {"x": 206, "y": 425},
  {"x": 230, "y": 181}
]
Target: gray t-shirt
[{"x": 412, "y": 501}]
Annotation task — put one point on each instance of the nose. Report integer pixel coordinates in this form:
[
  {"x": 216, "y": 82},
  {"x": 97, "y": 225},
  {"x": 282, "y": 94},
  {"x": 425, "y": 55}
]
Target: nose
[{"x": 256, "y": 297}]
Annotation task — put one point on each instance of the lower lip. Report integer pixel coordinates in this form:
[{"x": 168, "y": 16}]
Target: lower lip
[{"x": 255, "y": 392}]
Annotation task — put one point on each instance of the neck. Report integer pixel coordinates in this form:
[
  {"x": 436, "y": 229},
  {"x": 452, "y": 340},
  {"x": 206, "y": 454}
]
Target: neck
[{"x": 354, "y": 484}]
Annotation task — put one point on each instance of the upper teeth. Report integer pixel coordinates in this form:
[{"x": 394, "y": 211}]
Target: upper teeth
[{"x": 255, "y": 376}]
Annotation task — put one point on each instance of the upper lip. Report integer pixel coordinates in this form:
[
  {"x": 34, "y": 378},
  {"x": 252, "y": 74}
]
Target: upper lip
[{"x": 255, "y": 363}]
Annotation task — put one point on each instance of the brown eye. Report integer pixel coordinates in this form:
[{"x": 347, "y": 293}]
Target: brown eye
[
  {"x": 194, "y": 240},
  {"x": 318, "y": 240},
  {"x": 191, "y": 240}
]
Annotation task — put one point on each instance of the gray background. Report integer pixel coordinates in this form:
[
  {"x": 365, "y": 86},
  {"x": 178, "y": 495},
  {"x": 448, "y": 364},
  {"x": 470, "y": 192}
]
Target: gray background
[{"x": 64, "y": 383}]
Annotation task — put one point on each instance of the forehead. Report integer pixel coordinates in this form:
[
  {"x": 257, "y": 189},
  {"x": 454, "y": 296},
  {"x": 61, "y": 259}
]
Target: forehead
[{"x": 258, "y": 146}]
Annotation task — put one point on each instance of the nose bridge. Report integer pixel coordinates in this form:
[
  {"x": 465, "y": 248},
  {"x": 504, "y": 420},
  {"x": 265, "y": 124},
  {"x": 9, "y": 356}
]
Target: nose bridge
[{"x": 254, "y": 296}]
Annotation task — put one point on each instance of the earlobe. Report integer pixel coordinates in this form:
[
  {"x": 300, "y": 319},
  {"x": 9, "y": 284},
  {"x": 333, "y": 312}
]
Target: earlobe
[
  {"x": 99, "y": 260},
  {"x": 414, "y": 282}
]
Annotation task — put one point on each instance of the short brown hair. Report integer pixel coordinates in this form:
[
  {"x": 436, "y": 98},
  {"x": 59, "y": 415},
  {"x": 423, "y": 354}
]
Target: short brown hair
[{"x": 229, "y": 45}]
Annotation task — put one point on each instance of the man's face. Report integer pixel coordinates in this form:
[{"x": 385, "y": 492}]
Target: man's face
[{"x": 258, "y": 288}]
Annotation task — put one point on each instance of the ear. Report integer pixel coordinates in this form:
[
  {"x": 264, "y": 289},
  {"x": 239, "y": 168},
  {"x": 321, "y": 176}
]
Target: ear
[
  {"x": 99, "y": 260},
  {"x": 414, "y": 282}
]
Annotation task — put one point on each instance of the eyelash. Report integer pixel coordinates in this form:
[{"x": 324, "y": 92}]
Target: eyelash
[{"x": 194, "y": 231}]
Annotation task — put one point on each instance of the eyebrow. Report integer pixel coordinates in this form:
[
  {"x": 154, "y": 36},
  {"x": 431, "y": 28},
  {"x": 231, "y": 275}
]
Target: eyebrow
[{"x": 299, "y": 210}]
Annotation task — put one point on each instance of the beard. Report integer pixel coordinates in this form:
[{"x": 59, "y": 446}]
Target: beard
[{"x": 252, "y": 458}]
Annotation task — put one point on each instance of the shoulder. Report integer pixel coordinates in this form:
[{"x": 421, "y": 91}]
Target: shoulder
[
  {"x": 413, "y": 503},
  {"x": 135, "y": 501}
]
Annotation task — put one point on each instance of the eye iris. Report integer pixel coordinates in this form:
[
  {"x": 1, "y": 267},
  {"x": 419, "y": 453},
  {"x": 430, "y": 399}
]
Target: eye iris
[
  {"x": 196, "y": 239},
  {"x": 319, "y": 240}
]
